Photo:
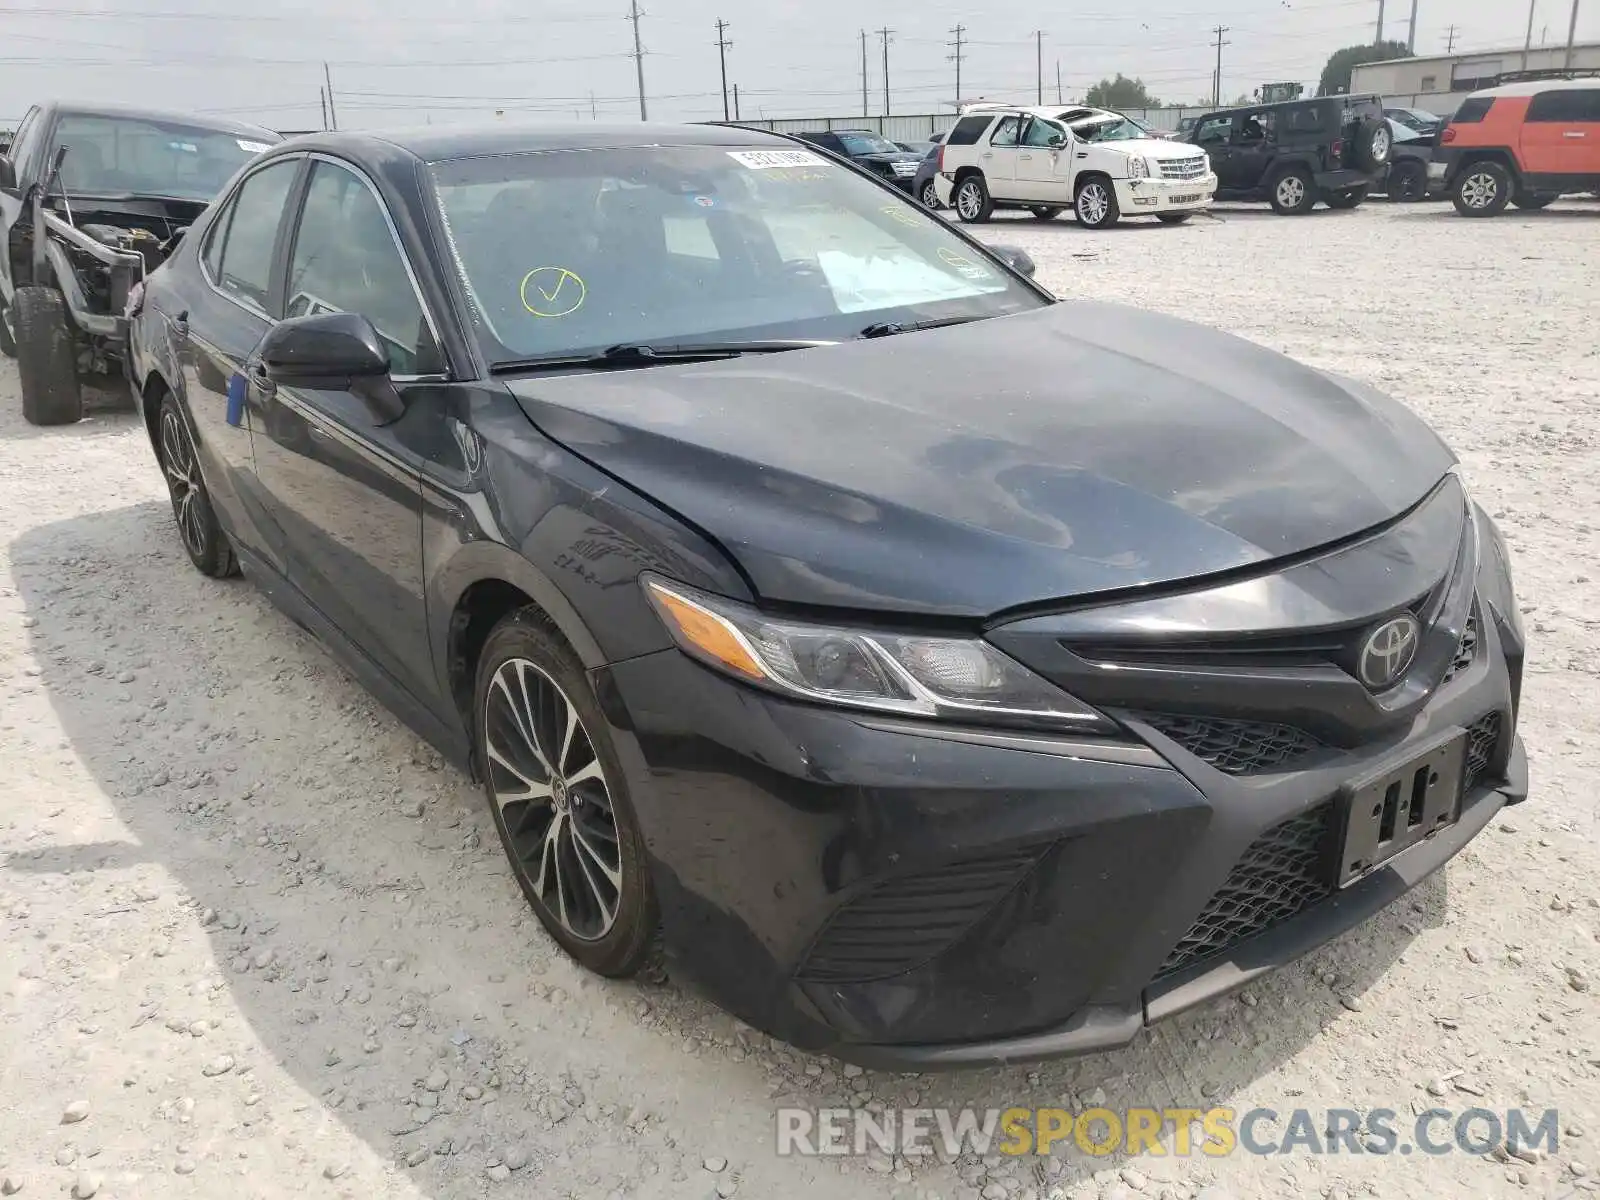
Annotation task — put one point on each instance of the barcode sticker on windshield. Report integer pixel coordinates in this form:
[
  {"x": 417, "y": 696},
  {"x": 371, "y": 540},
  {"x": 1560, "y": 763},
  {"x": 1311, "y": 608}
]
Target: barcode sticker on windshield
[{"x": 760, "y": 160}]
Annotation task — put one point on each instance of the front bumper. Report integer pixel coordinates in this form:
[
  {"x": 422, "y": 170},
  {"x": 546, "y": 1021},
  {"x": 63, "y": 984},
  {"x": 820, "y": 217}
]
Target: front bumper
[
  {"x": 1135, "y": 196},
  {"x": 914, "y": 896}
]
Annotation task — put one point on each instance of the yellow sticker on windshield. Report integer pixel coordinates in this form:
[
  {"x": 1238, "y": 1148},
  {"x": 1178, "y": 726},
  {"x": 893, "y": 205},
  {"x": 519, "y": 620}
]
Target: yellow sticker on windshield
[{"x": 553, "y": 291}]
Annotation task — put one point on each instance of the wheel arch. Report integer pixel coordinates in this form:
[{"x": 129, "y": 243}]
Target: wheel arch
[{"x": 1470, "y": 158}]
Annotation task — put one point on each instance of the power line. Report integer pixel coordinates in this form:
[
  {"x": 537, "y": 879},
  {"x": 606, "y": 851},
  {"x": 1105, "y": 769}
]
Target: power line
[
  {"x": 638, "y": 58},
  {"x": 960, "y": 32},
  {"x": 722, "y": 53},
  {"x": 1216, "y": 87}
]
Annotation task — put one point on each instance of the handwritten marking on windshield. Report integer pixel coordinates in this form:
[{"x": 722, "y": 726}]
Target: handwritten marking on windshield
[{"x": 553, "y": 292}]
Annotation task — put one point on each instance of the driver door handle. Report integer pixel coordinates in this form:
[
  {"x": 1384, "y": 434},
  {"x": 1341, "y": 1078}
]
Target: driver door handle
[{"x": 261, "y": 381}]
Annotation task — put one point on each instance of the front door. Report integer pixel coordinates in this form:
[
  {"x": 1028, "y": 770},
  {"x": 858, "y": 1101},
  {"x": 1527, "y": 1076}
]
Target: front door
[
  {"x": 1561, "y": 136},
  {"x": 1214, "y": 135},
  {"x": 1044, "y": 163},
  {"x": 998, "y": 159},
  {"x": 1253, "y": 149},
  {"x": 345, "y": 488}
]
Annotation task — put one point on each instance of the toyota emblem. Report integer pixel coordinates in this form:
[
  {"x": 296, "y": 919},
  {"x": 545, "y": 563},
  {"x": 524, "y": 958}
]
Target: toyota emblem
[{"x": 1386, "y": 656}]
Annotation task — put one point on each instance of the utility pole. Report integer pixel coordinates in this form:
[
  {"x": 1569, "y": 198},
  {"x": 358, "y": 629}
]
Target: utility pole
[
  {"x": 863, "y": 72},
  {"x": 1038, "y": 38},
  {"x": 322, "y": 99},
  {"x": 1379, "y": 38},
  {"x": 333, "y": 113},
  {"x": 594, "y": 109},
  {"x": 722, "y": 53},
  {"x": 638, "y": 57},
  {"x": 1411, "y": 34},
  {"x": 1450, "y": 45},
  {"x": 736, "y": 102},
  {"x": 1216, "y": 83},
  {"x": 1059, "y": 99},
  {"x": 1572, "y": 37},
  {"x": 885, "y": 33},
  {"x": 960, "y": 32},
  {"x": 1527, "y": 44}
]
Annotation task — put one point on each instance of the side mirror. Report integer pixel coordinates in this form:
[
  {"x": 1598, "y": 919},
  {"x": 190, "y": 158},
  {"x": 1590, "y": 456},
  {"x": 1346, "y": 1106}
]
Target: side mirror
[
  {"x": 8, "y": 174},
  {"x": 1057, "y": 140},
  {"x": 335, "y": 352},
  {"x": 1016, "y": 258}
]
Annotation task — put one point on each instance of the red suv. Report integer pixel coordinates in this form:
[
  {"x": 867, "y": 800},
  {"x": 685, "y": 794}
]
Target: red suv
[{"x": 1523, "y": 143}]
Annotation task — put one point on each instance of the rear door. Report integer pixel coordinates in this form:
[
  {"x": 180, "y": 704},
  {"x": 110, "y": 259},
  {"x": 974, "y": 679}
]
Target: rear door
[
  {"x": 1560, "y": 137},
  {"x": 998, "y": 159}
]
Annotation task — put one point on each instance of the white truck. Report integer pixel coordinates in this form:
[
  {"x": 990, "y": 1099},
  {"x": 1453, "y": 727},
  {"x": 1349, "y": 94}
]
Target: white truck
[{"x": 1045, "y": 160}]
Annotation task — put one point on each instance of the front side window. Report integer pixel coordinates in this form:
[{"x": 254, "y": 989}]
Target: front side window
[
  {"x": 345, "y": 259},
  {"x": 19, "y": 141},
  {"x": 127, "y": 156},
  {"x": 1214, "y": 131},
  {"x": 1040, "y": 133},
  {"x": 1257, "y": 127},
  {"x": 568, "y": 253},
  {"x": 240, "y": 250}
]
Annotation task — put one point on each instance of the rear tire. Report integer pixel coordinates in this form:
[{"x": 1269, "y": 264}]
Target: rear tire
[
  {"x": 1292, "y": 192},
  {"x": 1173, "y": 218},
  {"x": 1348, "y": 199},
  {"x": 202, "y": 537},
  {"x": 1096, "y": 204},
  {"x": 1481, "y": 189},
  {"x": 8, "y": 342},
  {"x": 576, "y": 850},
  {"x": 1045, "y": 212},
  {"x": 47, "y": 358},
  {"x": 972, "y": 201},
  {"x": 1407, "y": 183}
]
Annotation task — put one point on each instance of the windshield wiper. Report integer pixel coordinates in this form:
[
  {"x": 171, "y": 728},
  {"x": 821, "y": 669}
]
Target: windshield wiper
[
  {"x": 634, "y": 354},
  {"x": 885, "y": 328}
]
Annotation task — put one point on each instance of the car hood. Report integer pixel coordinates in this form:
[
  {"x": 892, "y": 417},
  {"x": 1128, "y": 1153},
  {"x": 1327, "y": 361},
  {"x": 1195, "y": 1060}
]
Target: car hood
[
  {"x": 1071, "y": 450},
  {"x": 1150, "y": 147}
]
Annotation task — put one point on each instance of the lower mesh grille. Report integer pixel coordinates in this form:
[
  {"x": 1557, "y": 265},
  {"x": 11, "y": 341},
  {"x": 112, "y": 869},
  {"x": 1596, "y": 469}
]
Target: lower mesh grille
[
  {"x": 1483, "y": 738},
  {"x": 904, "y": 923},
  {"x": 1236, "y": 747},
  {"x": 1283, "y": 872}
]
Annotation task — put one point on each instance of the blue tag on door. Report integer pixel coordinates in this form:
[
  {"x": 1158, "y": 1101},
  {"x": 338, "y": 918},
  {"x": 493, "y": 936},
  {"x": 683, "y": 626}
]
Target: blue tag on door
[{"x": 236, "y": 390}]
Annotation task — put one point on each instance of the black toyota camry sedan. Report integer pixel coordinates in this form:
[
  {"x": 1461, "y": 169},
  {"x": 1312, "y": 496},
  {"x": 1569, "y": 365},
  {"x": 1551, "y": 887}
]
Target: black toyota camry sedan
[{"x": 937, "y": 672}]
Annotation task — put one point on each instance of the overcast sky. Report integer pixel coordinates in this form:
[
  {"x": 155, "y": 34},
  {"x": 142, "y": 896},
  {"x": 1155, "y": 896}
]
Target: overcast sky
[{"x": 399, "y": 62}]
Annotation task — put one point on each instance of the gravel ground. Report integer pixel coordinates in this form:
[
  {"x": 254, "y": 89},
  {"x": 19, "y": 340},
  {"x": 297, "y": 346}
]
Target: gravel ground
[{"x": 266, "y": 942}]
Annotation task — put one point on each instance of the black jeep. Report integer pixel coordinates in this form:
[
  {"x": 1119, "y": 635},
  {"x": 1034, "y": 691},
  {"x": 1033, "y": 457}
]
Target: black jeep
[
  {"x": 1333, "y": 149},
  {"x": 93, "y": 198}
]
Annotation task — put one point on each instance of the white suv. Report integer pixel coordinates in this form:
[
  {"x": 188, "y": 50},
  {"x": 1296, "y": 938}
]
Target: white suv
[{"x": 1098, "y": 163}]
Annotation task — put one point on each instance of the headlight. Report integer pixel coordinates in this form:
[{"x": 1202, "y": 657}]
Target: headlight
[
  {"x": 901, "y": 673},
  {"x": 1138, "y": 168}
]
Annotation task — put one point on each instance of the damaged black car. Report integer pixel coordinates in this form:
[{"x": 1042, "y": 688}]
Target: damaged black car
[{"x": 93, "y": 198}]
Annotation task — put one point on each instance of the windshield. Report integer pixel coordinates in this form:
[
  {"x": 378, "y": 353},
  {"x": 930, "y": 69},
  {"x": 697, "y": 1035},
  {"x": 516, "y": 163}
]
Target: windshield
[
  {"x": 113, "y": 156},
  {"x": 1108, "y": 129},
  {"x": 567, "y": 252},
  {"x": 867, "y": 143}
]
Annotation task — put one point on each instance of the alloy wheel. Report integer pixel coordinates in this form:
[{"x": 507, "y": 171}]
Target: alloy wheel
[
  {"x": 1291, "y": 191},
  {"x": 553, "y": 798},
  {"x": 930, "y": 196},
  {"x": 1380, "y": 145},
  {"x": 183, "y": 481},
  {"x": 1093, "y": 203},
  {"x": 967, "y": 202},
  {"x": 1479, "y": 190}
]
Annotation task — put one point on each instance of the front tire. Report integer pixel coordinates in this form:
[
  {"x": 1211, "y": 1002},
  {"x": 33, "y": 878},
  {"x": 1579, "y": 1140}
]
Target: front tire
[
  {"x": 1482, "y": 189},
  {"x": 559, "y": 798},
  {"x": 202, "y": 537},
  {"x": 1045, "y": 212},
  {"x": 8, "y": 340},
  {"x": 972, "y": 201},
  {"x": 1096, "y": 204},
  {"x": 47, "y": 358},
  {"x": 1408, "y": 182},
  {"x": 1173, "y": 218},
  {"x": 1293, "y": 194}
]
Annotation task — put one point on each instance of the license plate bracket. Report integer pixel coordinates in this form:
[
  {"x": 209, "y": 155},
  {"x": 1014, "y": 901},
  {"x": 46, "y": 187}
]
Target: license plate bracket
[
  {"x": 1186, "y": 198},
  {"x": 1393, "y": 810}
]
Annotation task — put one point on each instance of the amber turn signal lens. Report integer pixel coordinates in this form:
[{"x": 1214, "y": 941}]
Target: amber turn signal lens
[{"x": 706, "y": 632}]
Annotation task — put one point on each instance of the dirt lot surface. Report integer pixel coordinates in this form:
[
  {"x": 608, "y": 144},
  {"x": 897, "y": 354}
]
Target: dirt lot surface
[{"x": 256, "y": 942}]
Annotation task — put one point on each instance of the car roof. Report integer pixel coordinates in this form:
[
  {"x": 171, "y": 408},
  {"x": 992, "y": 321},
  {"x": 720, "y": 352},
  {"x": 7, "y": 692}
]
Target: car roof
[
  {"x": 1532, "y": 87},
  {"x": 137, "y": 113},
  {"x": 1233, "y": 108},
  {"x": 440, "y": 143}
]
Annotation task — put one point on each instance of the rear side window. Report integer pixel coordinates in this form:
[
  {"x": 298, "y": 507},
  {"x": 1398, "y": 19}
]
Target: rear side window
[
  {"x": 1473, "y": 110},
  {"x": 968, "y": 130},
  {"x": 1005, "y": 133},
  {"x": 1306, "y": 119},
  {"x": 244, "y": 265},
  {"x": 1567, "y": 105}
]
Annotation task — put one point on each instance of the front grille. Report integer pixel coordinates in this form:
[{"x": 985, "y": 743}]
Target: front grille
[
  {"x": 1466, "y": 650},
  {"x": 1183, "y": 168},
  {"x": 1236, "y": 747},
  {"x": 1483, "y": 739},
  {"x": 1284, "y": 872},
  {"x": 903, "y": 923}
]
